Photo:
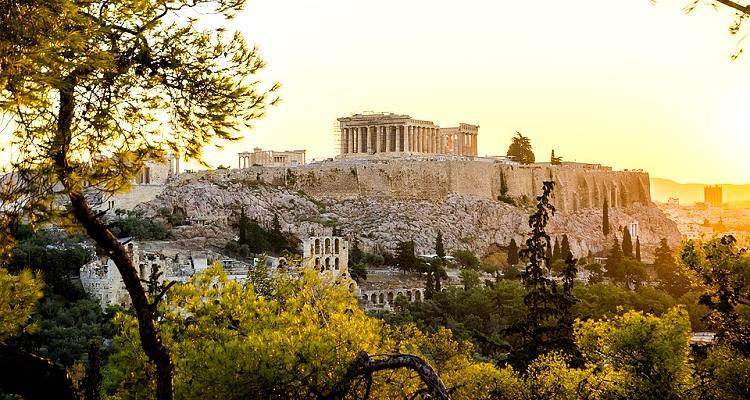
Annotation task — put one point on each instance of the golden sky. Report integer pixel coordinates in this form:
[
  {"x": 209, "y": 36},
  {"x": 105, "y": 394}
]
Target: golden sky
[{"x": 620, "y": 82}]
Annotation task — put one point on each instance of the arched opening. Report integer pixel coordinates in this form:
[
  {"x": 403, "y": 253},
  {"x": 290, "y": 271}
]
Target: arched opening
[
  {"x": 328, "y": 246},
  {"x": 336, "y": 263},
  {"x": 336, "y": 246},
  {"x": 317, "y": 246},
  {"x": 390, "y": 297},
  {"x": 312, "y": 250},
  {"x": 417, "y": 295},
  {"x": 382, "y": 299},
  {"x": 374, "y": 298},
  {"x": 328, "y": 264},
  {"x": 364, "y": 298},
  {"x": 408, "y": 295}
]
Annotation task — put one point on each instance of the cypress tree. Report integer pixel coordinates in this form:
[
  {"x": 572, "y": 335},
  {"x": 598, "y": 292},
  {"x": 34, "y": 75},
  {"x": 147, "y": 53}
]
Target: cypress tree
[
  {"x": 556, "y": 251},
  {"x": 565, "y": 247},
  {"x": 513, "y": 252},
  {"x": 243, "y": 226},
  {"x": 638, "y": 249},
  {"x": 627, "y": 243},
  {"x": 605, "y": 218},
  {"x": 439, "y": 249}
]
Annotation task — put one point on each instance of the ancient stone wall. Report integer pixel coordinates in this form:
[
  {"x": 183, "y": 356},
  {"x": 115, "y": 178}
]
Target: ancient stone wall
[{"x": 577, "y": 188}]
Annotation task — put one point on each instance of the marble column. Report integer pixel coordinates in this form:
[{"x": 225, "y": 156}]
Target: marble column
[
  {"x": 387, "y": 139},
  {"x": 407, "y": 142}
]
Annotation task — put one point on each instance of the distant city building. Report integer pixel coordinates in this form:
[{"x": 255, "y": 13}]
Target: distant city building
[
  {"x": 271, "y": 158},
  {"x": 673, "y": 201},
  {"x": 634, "y": 229},
  {"x": 712, "y": 195},
  {"x": 392, "y": 134}
]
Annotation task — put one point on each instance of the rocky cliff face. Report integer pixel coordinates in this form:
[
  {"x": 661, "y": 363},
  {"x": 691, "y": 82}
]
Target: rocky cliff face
[{"x": 469, "y": 222}]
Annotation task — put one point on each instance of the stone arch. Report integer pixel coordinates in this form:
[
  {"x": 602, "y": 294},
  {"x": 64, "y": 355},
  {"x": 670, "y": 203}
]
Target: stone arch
[
  {"x": 328, "y": 263},
  {"x": 382, "y": 298},
  {"x": 408, "y": 295},
  {"x": 317, "y": 261},
  {"x": 336, "y": 263},
  {"x": 374, "y": 298},
  {"x": 317, "y": 246},
  {"x": 583, "y": 193},
  {"x": 312, "y": 249},
  {"x": 364, "y": 298},
  {"x": 417, "y": 295},
  {"x": 336, "y": 246},
  {"x": 328, "y": 246},
  {"x": 390, "y": 297}
]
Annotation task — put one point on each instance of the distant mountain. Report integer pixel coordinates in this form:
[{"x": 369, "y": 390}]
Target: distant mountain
[{"x": 663, "y": 189}]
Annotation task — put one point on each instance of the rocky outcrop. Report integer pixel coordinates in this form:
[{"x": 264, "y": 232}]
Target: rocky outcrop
[{"x": 469, "y": 222}]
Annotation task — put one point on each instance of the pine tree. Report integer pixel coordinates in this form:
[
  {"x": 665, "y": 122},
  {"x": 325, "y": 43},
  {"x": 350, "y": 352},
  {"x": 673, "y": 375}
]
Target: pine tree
[
  {"x": 565, "y": 247},
  {"x": 638, "y": 248},
  {"x": 406, "y": 260},
  {"x": 439, "y": 249},
  {"x": 627, "y": 243},
  {"x": 513, "y": 252},
  {"x": 548, "y": 322},
  {"x": 605, "y": 218}
]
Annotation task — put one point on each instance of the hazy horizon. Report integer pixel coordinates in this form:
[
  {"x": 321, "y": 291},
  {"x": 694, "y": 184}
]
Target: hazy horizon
[{"x": 576, "y": 77}]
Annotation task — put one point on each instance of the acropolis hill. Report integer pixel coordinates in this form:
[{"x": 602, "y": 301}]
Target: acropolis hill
[
  {"x": 578, "y": 186},
  {"x": 477, "y": 204}
]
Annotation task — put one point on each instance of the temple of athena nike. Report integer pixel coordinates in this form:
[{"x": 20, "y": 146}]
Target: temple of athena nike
[{"x": 387, "y": 134}]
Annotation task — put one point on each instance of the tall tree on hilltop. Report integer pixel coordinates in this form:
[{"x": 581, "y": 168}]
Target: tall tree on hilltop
[
  {"x": 548, "y": 322},
  {"x": 638, "y": 248},
  {"x": 439, "y": 249},
  {"x": 520, "y": 149},
  {"x": 513, "y": 252},
  {"x": 96, "y": 88},
  {"x": 605, "y": 218},
  {"x": 627, "y": 243},
  {"x": 555, "y": 160}
]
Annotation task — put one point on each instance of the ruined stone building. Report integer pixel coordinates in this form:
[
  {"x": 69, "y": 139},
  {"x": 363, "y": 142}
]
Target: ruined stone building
[
  {"x": 157, "y": 173},
  {"x": 102, "y": 281},
  {"x": 271, "y": 158},
  {"x": 387, "y": 134},
  {"x": 327, "y": 254}
]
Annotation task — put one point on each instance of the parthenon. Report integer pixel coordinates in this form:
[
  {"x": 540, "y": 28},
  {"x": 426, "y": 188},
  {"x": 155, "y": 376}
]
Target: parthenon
[{"x": 393, "y": 134}]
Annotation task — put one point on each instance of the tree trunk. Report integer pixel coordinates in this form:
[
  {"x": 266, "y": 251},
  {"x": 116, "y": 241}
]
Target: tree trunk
[{"x": 151, "y": 343}]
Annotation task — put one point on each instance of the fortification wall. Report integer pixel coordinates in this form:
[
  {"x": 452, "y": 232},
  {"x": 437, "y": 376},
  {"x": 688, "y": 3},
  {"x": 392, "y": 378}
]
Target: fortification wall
[{"x": 577, "y": 187}]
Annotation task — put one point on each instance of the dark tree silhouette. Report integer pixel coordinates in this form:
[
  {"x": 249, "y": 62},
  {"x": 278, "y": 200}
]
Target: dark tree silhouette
[{"x": 520, "y": 149}]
